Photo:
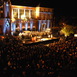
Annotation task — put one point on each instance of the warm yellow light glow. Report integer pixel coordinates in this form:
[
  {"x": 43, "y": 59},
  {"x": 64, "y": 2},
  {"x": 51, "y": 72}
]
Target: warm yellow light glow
[
  {"x": 13, "y": 19},
  {"x": 43, "y": 39},
  {"x": 33, "y": 39},
  {"x": 23, "y": 16},
  {"x": 37, "y": 11},
  {"x": 47, "y": 30},
  {"x": 75, "y": 35},
  {"x": 51, "y": 35}
]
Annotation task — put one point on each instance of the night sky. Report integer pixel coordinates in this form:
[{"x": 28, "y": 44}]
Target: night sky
[{"x": 61, "y": 8}]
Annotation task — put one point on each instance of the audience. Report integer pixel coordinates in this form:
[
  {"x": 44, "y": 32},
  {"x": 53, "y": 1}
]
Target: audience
[{"x": 17, "y": 60}]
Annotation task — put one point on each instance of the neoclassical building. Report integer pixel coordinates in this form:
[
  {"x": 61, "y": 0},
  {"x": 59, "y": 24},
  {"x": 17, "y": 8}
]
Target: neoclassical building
[{"x": 19, "y": 18}]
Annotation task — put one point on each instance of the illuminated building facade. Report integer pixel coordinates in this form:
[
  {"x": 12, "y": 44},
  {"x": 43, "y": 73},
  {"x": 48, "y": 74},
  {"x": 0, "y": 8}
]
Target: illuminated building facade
[{"x": 19, "y": 18}]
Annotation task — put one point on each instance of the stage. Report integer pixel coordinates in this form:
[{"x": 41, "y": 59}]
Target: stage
[{"x": 40, "y": 42}]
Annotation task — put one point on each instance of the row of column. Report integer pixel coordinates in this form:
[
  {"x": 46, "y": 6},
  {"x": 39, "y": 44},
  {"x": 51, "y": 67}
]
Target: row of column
[
  {"x": 13, "y": 26},
  {"x": 43, "y": 24}
]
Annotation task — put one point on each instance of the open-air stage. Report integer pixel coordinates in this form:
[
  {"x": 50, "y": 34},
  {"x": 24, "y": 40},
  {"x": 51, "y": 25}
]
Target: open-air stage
[{"x": 42, "y": 42}]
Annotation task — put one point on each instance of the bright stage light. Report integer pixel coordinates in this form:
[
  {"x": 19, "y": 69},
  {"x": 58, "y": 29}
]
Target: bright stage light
[
  {"x": 43, "y": 39},
  {"x": 75, "y": 35}
]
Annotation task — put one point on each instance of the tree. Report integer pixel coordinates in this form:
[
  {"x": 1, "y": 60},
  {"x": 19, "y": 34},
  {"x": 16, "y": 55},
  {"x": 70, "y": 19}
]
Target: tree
[{"x": 67, "y": 30}]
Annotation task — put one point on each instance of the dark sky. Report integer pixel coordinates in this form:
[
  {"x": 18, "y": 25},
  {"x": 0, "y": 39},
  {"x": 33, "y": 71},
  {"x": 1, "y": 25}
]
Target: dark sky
[{"x": 61, "y": 8}]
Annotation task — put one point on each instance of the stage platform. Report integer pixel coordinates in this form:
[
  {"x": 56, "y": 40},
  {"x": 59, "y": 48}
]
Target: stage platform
[{"x": 41, "y": 42}]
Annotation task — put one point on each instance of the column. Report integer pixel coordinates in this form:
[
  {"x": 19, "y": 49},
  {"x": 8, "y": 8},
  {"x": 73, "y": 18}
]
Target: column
[
  {"x": 24, "y": 13},
  {"x": 20, "y": 25},
  {"x": 31, "y": 24},
  {"x": 13, "y": 27},
  {"x": 29, "y": 13},
  {"x": 48, "y": 23},
  {"x": 4, "y": 28},
  {"x": 26, "y": 26},
  {"x": 18, "y": 13},
  {"x": 39, "y": 27}
]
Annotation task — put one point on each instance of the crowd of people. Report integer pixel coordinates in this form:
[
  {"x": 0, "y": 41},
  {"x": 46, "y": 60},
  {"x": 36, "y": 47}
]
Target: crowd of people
[{"x": 17, "y": 60}]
